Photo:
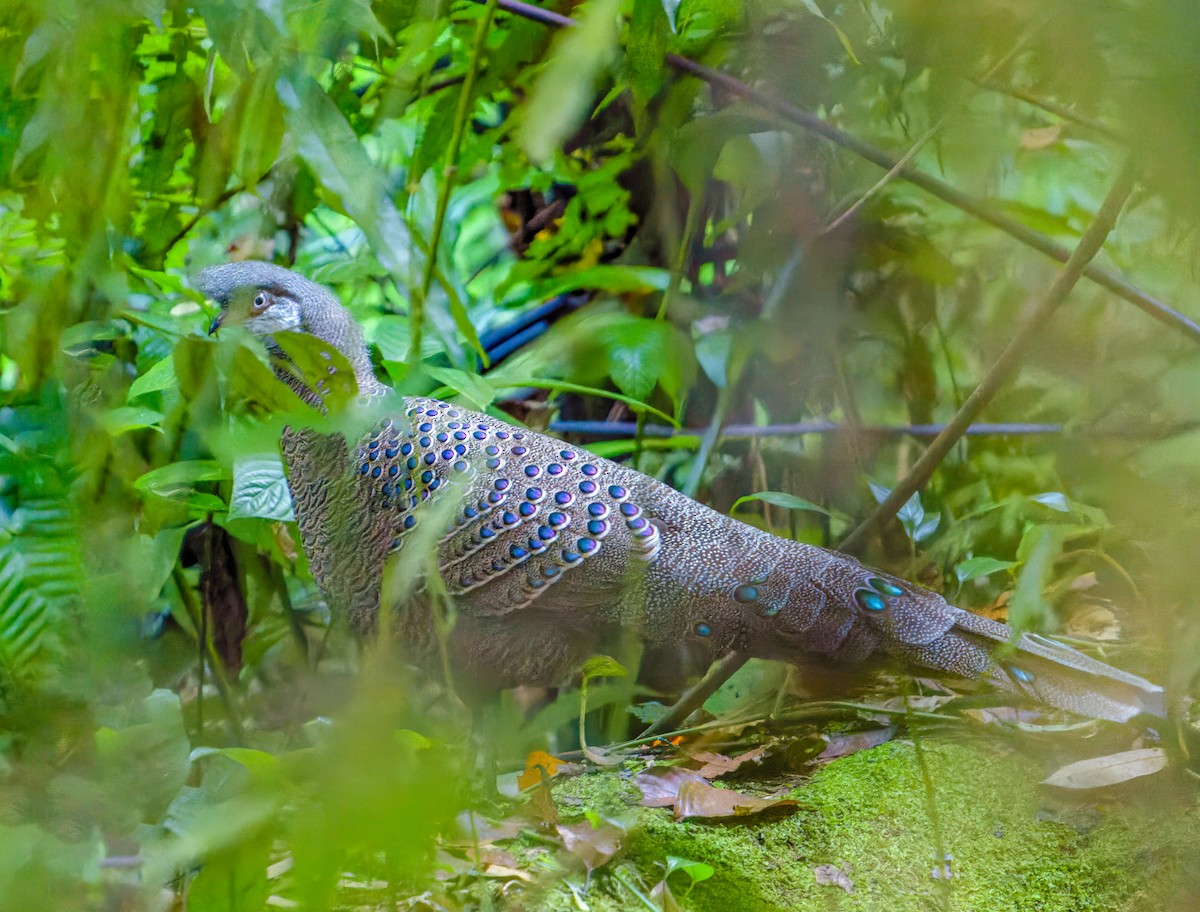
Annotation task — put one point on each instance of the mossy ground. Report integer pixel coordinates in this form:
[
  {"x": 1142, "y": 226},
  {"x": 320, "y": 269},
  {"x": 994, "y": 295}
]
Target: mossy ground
[{"x": 1014, "y": 844}]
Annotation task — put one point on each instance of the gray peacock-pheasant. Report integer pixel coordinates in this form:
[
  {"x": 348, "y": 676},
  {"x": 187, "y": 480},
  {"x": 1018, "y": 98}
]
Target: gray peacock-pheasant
[{"x": 552, "y": 555}]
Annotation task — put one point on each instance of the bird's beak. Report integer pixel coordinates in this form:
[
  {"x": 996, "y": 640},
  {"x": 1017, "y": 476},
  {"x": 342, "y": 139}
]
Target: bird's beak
[{"x": 216, "y": 323}]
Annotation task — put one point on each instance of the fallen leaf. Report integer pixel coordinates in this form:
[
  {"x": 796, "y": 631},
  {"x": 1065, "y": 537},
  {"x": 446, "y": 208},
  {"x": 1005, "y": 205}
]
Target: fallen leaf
[
  {"x": 538, "y": 764},
  {"x": 661, "y": 894},
  {"x": 1094, "y": 622},
  {"x": 842, "y": 745},
  {"x": 592, "y": 845},
  {"x": 828, "y": 875},
  {"x": 699, "y": 799},
  {"x": 660, "y": 784},
  {"x": 1110, "y": 769},
  {"x": 507, "y": 873},
  {"x": 719, "y": 765}
]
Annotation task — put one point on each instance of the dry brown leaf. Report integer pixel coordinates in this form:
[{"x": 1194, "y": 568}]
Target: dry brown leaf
[
  {"x": 661, "y": 894},
  {"x": 1111, "y": 769},
  {"x": 1094, "y": 622},
  {"x": 998, "y": 610},
  {"x": 719, "y": 765},
  {"x": 594, "y": 846},
  {"x": 699, "y": 799},
  {"x": 828, "y": 875},
  {"x": 842, "y": 745},
  {"x": 506, "y": 873},
  {"x": 660, "y": 784}
]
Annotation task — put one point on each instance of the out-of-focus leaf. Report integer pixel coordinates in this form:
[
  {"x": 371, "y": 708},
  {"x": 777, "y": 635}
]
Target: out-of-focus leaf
[
  {"x": 1055, "y": 500},
  {"x": 538, "y": 765},
  {"x": 130, "y": 418},
  {"x": 178, "y": 477},
  {"x": 160, "y": 376},
  {"x": 563, "y": 89},
  {"x": 976, "y": 567},
  {"x": 594, "y": 846},
  {"x": 1112, "y": 769},
  {"x": 602, "y": 666},
  {"x": 828, "y": 875}
]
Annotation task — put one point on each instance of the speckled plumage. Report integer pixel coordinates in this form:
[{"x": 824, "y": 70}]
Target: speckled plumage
[{"x": 551, "y": 554}]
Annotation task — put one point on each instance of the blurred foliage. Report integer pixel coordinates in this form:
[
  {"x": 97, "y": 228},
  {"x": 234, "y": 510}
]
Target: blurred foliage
[{"x": 176, "y": 711}]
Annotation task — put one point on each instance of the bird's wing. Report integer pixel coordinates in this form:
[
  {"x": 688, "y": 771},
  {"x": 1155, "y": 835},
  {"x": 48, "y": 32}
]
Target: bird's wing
[{"x": 518, "y": 512}]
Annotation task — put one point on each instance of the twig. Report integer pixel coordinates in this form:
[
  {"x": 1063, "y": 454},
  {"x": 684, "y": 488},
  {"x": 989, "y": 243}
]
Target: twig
[
  {"x": 1004, "y": 366},
  {"x": 691, "y": 699},
  {"x": 613, "y": 429}
]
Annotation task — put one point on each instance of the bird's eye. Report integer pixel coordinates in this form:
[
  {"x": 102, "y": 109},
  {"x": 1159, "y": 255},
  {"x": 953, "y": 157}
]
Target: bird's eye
[{"x": 260, "y": 303}]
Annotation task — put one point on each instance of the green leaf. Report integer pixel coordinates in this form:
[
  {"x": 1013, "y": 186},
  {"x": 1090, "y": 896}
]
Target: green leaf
[
  {"x": 130, "y": 418},
  {"x": 812, "y": 7},
  {"x": 976, "y": 567},
  {"x": 472, "y": 387},
  {"x": 565, "y": 87},
  {"x": 260, "y": 489},
  {"x": 179, "y": 477},
  {"x": 602, "y": 666},
  {"x": 780, "y": 499},
  {"x": 160, "y": 376},
  {"x": 695, "y": 870}
]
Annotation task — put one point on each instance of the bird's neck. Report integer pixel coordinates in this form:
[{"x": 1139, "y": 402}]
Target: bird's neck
[{"x": 334, "y": 326}]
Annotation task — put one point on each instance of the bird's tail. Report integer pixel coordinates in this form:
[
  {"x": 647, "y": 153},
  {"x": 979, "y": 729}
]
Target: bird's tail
[
  {"x": 812, "y": 600},
  {"x": 1038, "y": 667}
]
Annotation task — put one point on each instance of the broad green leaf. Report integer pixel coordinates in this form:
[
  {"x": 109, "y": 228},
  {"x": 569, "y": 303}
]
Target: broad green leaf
[
  {"x": 160, "y": 376},
  {"x": 130, "y": 418},
  {"x": 178, "y": 477},
  {"x": 260, "y": 489},
  {"x": 474, "y": 388},
  {"x": 695, "y": 870},
  {"x": 976, "y": 567}
]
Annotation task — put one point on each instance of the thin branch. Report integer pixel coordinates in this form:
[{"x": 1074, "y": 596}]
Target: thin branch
[
  {"x": 617, "y": 429},
  {"x": 696, "y": 695},
  {"x": 985, "y": 212},
  {"x": 1005, "y": 365}
]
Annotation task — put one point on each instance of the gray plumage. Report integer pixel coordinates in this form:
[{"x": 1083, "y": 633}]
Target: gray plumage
[{"x": 552, "y": 555}]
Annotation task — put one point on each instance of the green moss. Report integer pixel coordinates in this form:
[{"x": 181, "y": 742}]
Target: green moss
[{"x": 870, "y": 814}]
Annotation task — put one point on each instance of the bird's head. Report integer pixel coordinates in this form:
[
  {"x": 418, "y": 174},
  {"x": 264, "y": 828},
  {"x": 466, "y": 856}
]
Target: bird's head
[
  {"x": 267, "y": 299},
  {"x": 262, "y": 297}
]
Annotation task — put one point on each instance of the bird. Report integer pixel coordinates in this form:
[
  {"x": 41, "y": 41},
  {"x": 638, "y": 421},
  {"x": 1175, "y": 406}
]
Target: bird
[{"x": 551, "y": 555}]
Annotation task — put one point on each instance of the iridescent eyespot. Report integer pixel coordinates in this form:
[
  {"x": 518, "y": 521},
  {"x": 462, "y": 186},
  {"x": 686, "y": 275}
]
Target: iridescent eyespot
[
  {"x": 884, "y": 587},
  {"x": 871, "y": 601},
  {"x": 1025, "y": 677},
  {"x": 702, "y": 629},
  {"x": 745, "y": 594}
]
